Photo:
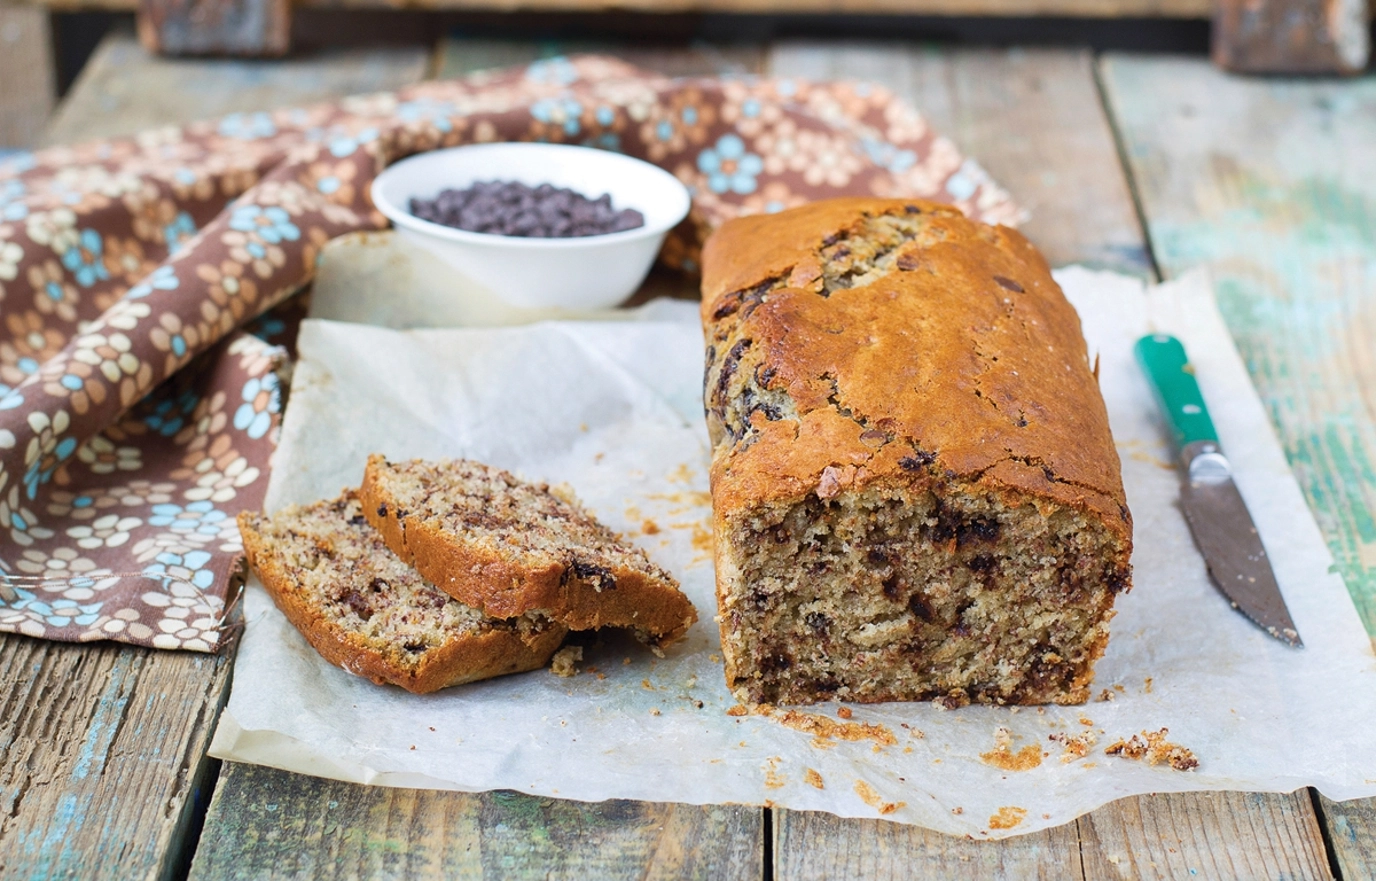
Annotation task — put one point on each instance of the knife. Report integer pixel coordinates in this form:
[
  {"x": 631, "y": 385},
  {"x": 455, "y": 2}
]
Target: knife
[{"x": 1215, "y": 510}]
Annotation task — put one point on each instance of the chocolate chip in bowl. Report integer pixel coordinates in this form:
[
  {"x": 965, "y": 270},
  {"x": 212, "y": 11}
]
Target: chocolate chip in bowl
[
  {"x": 517, "y": 220},
  {"x": 510, "y": 208}
]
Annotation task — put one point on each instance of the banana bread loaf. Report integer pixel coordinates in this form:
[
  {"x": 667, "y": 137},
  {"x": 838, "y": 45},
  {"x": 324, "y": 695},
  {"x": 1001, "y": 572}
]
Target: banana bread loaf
[
  {"x": 915, "y": 492},
  {"x": 365, "y": 610}
]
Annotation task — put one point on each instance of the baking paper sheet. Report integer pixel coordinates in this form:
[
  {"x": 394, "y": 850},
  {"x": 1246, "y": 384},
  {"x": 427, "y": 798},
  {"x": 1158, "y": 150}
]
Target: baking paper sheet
[{"x": 614, "y": 409}]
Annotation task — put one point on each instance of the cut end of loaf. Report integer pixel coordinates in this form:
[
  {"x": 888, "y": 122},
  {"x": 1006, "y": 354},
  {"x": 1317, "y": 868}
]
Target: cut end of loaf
[{"x": 903, "y": 593}]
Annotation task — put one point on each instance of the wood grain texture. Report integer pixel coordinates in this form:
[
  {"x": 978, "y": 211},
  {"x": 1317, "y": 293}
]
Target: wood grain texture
[
  {"x": 27, "y": 72},
  {"x": 102, "y": 750},
  {"x": 1271, "y": 184},
  {"x": 1291, "y": 36},
  {"x": 811, "y": 846},
  {"x": 1032, "y": 118},
  {"x": 215, "y": 27},
  {"x": 457, "y": 56},
  {"x": 1205, "y": 835},
  {"x": 1002, "y": 8},
  {"x": 1352, "y": 833},
  {"x": 265, "y": 823},
  {"x": 124, "y": 89}
]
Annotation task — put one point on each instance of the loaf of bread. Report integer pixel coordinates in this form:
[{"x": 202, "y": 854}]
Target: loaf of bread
[
  {"x": 509, "y": 547},
  {"x": 365, "y": 610},
  {"x": 915, "y": 492}
]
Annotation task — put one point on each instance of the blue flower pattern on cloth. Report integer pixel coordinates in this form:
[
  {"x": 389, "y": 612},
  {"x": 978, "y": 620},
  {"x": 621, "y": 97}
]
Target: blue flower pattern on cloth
[
  {"x": 188, "y": 567},
  {"x": 437, "y": 113},
  {"x": 58, "y": 613},
  {"x": 179, "y": 230},
  {"x": 254, "y": 416},
  {"x": 248, "y": 126},
  {"x": 84, "y": 261},
  {"x": 12, "y": 191},
  {"x": 164, "y": 278},
  {"x": 729, "y": 167},
  {"x": 198, "y": 517},
  {"x": 169, "y": 415},
  {"x": 272, "y": 224},
  {"x": 564, "y": 112},
  {"x": 557, "y": 71},
  {"x": 37, "y": 474}
]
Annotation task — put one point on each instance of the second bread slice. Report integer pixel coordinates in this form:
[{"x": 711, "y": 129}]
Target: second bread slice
[{"x": 508, "y": 547}]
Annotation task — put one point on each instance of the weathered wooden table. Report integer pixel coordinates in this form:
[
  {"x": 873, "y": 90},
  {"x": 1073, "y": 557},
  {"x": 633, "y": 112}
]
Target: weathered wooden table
[{"x": 1143, "y": 164}]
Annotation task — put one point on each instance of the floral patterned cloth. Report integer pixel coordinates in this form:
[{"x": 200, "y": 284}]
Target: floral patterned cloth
[{"x": 137, "y": 417}]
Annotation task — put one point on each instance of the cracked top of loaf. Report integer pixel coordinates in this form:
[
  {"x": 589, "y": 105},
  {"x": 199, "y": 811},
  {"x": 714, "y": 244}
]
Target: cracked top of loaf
[{"x": 862, "y": 340}]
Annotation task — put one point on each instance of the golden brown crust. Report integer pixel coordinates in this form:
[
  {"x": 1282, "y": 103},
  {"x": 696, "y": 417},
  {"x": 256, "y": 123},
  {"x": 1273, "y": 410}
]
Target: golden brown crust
[
  {"x": 907, "y": 354},
  {"x": 465, "y": 659},
  {"x": 503, "y": 587}
]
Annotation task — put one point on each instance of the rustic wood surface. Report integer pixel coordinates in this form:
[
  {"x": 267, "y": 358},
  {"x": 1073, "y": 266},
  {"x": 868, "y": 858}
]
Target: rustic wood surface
[
  {"x": 215, "y": 27},
  {"x": 1004, "y": 8},
  {"x": 1272, "y": 185},
  {"x": 123, "y": 89},
  {"x": 27, "y": 88},
  {"x": 272, "y": 824},
  {"x": 102, "y": 757},
  {"x": 1352, "y": 831},
  {"x": 1036, "y": 120},
  {"x": 1291, "y": 36}
]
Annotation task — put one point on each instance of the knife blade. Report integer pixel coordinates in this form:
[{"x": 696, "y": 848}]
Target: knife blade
[{"x": 1217, "y": 515}]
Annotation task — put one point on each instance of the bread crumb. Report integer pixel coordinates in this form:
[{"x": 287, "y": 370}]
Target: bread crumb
[
  {"x": 737, "y": 711},
  {"x": 645, "y": 684},
  {"x": 871, "y": 798},
  {"x": 813, "y": 779},
  {"x": 1106, "y": 695},
  {"x": 650, "y": 527},
  {"x": 654, "y": 711},
  {"x": 772, "y": 778},
  {"x": 1076, "y": 745},
  {"x": 1153, "y": 746},
  {"x": 1147, "y": 685},
  {"x": 1003, "y": 757},
  {"x": 1007, "y": 817},
  {"x": 1086, "y": 721},
  {"x": 844, "y": 712},
  {"x": 564, "y": 660},
  {"x": 957, "y": 811},
  {"x": 824, "y": 729}
]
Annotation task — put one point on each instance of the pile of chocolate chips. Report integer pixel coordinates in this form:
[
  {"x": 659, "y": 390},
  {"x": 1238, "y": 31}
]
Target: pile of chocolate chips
[{"x": 507, "y": 208}]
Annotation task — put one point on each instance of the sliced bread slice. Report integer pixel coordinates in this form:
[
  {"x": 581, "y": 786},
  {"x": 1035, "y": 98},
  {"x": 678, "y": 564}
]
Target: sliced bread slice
[
  {"x": 508, "y": 547},
  {"x": 365, "y": 610}
]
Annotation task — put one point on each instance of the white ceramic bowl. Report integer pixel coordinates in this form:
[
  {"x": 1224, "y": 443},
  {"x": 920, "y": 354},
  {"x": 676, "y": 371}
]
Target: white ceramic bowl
[{"x": 587, "y": 272}]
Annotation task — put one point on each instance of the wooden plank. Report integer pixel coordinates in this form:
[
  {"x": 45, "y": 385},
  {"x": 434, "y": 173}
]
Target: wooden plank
[
  {"x": 1291, "y": 36},
  {"x": 210, "y": 27},
  {"x": 811, "y": 846},
  {"x": 1352, "y": 833},
  {"x": 265, "y": 823},
  {"x": 27, "y": 72},
  {"x": 102, "y": 751},
  {"x": 1205, "y": 835},
  {"x": 1272, "y": 185},
  {"x": 124, "y": 89},
  {"x": 1031, "y": 117},
  {"x": 1001, "y": 8},
  {"x": 458, "y": 55}
]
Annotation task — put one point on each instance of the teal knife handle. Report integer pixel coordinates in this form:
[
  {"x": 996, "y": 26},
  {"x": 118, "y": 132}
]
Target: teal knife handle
[{"x": 1172, "y": 379}]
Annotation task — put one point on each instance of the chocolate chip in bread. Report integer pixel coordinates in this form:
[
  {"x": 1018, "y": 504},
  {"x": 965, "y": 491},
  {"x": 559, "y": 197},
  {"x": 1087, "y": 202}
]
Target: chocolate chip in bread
[
  {"x": 915, "y": 492},
  {"x": 365, "y": 610},
  {"x": 509, "y": 547}
]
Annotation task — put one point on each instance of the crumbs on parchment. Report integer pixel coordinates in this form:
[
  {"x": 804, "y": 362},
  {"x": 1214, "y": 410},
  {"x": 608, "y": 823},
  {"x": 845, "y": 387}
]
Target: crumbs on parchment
[
  {"x": 1004, "y": 758},
  {"x": 871, "y": 798},
  {"x": 812, "y": 778},
  {"x": 1076, "y": 745},
  {"x": 1153, "y": 746},
  {"x": 564, "y": 661},
  {"x": 1007, "y": 817}
]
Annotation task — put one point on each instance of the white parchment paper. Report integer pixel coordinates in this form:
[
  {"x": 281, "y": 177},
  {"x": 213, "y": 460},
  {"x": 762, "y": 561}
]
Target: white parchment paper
[{"x": 614, "y": 409}]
